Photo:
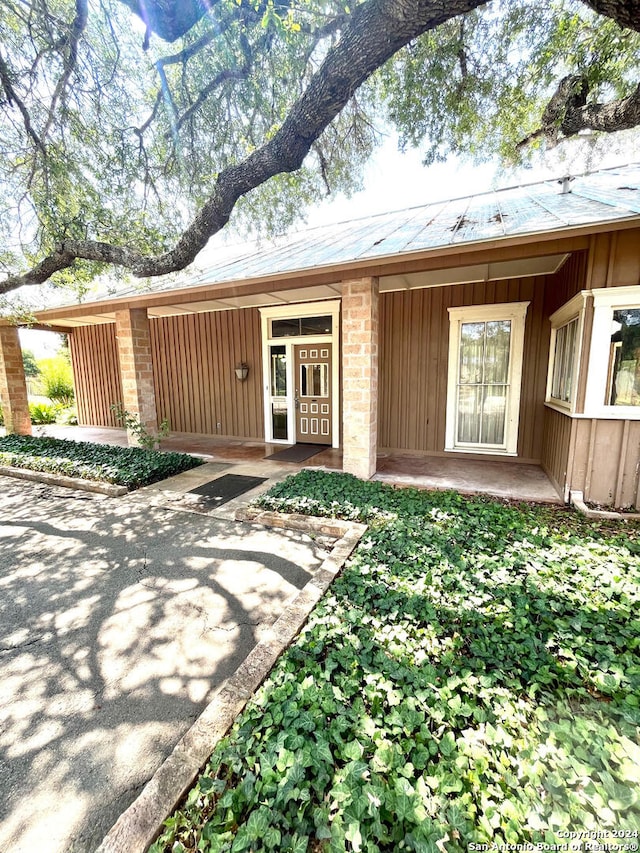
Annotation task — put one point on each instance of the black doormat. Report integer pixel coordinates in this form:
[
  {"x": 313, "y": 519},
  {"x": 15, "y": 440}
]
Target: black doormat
[
  {"x": 225, "y": 488},
  {"x": 298, "y": 453}
]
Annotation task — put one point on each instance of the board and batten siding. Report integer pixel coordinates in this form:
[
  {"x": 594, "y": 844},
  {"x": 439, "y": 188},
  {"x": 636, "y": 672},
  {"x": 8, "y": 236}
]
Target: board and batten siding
[
  {"x": 96, "y": 373},
  {"x": 194, "y": 358},
  {"x": 604, "y": 461},
  {"x": 414, "y": 353}
]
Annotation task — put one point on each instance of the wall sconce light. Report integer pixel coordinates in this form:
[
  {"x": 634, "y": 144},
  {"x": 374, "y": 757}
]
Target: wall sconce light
[{"x": 242, "y": 371}]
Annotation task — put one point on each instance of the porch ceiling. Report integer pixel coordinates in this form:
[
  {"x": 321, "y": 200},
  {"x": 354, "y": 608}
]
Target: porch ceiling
[{"x": 519, "y": 268}]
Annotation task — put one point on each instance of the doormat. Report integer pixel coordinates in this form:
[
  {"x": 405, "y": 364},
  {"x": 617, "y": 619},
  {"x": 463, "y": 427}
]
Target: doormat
[
  {"x": 225, "y": 488},
  {"x": 298, "y": 453}
]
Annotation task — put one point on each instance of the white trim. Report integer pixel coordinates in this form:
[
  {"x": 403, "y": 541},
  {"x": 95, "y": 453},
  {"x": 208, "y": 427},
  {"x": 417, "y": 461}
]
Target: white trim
[
  {"x": 306, "y": 309},
  {"x": 516, "y": 312},
  {"x": 605, "y": 301},
  {"x": 571, "y": 310}
]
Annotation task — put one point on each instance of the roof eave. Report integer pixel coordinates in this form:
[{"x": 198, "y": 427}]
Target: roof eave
[{"x": 456, "y": 254}]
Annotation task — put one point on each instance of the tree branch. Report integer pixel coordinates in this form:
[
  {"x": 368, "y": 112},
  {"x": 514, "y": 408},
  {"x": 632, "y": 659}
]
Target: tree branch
[
  {"x": 69, "y": 63},
  {"x": 624, "y": 12},
  {"x": 13, "y": 98},
  {"x": 377, "y": 30},
  {"x": 568, "y": 113}
]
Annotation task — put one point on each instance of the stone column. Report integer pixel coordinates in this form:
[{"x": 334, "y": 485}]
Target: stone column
[
  {"x": 136, "y": 368},
  {"x": 13, "y": 384},
  {"x": 360, "y": 376}
]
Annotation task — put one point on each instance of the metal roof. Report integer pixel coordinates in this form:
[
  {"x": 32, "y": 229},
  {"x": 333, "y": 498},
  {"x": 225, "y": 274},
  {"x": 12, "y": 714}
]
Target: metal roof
[
  {"x": 600, "y": 197},
  {"x": 605, "y": 196}
]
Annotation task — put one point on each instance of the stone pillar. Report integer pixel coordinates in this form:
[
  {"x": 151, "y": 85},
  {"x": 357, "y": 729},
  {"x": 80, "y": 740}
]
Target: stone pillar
[
  {"x": 136, "y": 368},
  {"x": 360, "y": 376},
  {"x": 13, "y": 384}
]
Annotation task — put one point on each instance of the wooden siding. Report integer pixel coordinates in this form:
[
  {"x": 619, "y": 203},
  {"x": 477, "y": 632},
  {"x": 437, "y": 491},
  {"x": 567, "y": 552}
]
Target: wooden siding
[
  {"x": 605, "y": 461},
  {"x": 414, "y": 351},
  {"x": 96, "y": 374},
  {"x": 615, "y": 259},
  {"x": 570, "y": 279},
  {"x": 194, "y": 357},
  {"x": 556, "y": 443}
]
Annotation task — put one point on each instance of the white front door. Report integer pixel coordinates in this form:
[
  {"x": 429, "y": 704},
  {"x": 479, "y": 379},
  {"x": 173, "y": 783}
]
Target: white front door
[{"x": 485, "y": 366}]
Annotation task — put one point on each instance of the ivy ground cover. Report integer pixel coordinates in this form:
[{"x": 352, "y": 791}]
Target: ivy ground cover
[
  {"x": 471, "y": 681},
  {"x": 125, "y": 466}
]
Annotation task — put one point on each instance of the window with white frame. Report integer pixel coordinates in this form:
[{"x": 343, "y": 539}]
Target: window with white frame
[
  {"x": 564, "y": 361},
  {"x": 613, "y": 381},
  {"x": 564, "y": 355},
  {"x": 623, "y": 373}
]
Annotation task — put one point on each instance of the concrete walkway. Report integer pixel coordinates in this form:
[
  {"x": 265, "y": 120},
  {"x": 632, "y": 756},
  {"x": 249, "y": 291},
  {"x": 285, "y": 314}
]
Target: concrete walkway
[{"x": 119, "y": 617}]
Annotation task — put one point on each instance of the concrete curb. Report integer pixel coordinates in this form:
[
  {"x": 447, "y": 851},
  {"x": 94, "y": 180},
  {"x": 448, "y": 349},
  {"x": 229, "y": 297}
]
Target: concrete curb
[
  {"x": 138, "y": 827},
  {"x": 109, "y": 489},
  {"x": 577, "y": 500}
]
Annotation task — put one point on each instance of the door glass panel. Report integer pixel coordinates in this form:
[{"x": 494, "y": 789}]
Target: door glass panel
[
  {"x": 314, "y": 380},
  {"x": 624, "y": 358},
  {"x": 278, "y": 371},
  {"x": 279, "y": 419},
  {"x": 483, "y": 382}
]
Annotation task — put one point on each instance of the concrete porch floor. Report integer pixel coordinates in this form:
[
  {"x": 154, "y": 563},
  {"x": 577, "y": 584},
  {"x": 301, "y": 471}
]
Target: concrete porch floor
[{"x": 505, "y": 479}]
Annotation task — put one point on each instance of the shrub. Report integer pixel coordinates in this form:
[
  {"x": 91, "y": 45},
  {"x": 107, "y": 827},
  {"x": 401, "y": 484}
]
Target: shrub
[
  {"x": 57, "y": 380},
  {"x": 41, "y": 413},
  {"x": 124, "y": 466}
]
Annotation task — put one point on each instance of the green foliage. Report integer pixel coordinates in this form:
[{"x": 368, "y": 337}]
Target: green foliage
[
  {"x": 30, "y": 365},
  {"x": 479, "y": 85},
  {"x": 43, "y": 413},
  {"x": 1, "y": 417},
  {"x": 125, "y": 466},
  {"x": 472, "y": 677},
  {"x": 147, "y": 439},
  {"x": 56, "y": 379}
]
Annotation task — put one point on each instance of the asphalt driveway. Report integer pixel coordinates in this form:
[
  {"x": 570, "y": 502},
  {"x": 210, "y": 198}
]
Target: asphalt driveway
[{"x": 118, "y": 620}]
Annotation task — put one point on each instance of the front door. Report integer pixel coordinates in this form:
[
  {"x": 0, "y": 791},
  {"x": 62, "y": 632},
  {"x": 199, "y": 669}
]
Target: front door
[{"x": 312, "y": 380}]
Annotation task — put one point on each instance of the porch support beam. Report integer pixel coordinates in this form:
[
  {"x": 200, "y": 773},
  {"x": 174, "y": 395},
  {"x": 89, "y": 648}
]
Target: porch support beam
[
  {"x": 13, "y": 384},
  {"x": 360, "y": 375},
  {"x": 136, "y": 368}
]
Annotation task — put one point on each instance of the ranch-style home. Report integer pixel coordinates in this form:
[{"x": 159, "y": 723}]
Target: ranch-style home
[{"x": 502, "y": 326}]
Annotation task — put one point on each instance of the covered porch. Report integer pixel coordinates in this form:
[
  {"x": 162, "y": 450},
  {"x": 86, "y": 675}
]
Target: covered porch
[{"x": 498, "y": 478}]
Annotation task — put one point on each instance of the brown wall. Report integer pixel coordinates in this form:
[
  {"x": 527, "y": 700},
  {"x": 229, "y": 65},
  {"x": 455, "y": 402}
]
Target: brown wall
[
  {"x": 414, "y": 353},
  {"x": 604, "y": 461},
  {"x": 556, "y": 443},
  {"x": 194, "y": 357},
  {"x": 96, "y": 375}
]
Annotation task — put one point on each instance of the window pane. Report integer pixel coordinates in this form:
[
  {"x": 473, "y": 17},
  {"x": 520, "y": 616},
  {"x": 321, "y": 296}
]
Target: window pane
[
  {"x": 278, "y": 372},
  {"x": 315, "y": 325},
  {"x": 469, "y": 413},
  {"x": 497, "y": 347},
  {"x": 564, "y": 361},
  {"x": 624, "y": 358},
  {"x": 285, "y": 328},
  {"x": 493, "y": 414},
  {"x": 471, "y": 353}
]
